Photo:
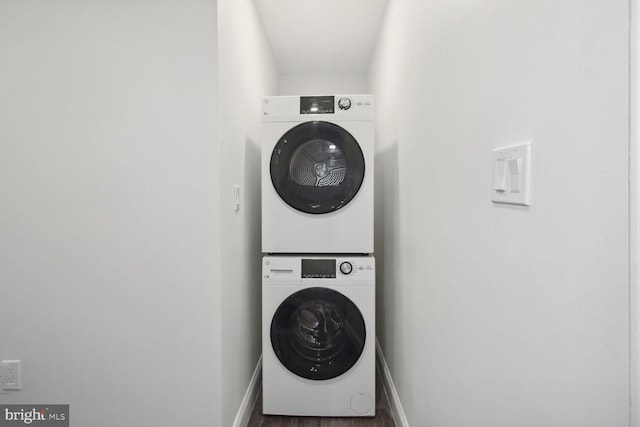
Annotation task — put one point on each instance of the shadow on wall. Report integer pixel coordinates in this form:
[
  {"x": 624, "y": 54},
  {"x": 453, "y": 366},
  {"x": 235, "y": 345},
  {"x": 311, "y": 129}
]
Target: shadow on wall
[
  {"x": 398, "y": 290},
  {"x": 387, "y": 230},
  {"x": 251, "y": 202}
]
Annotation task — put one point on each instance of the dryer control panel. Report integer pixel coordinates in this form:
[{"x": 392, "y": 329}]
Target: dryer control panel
[
  {"x": 317, "y": 107},
  {"x": 325, "y": 104},
  {"x": 317, "y": 104}
]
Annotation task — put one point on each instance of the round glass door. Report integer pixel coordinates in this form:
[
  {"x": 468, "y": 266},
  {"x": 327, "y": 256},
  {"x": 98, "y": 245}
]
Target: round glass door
[
  {"x": 317, "y": 167},
  {"x": 318, "y": 333}
]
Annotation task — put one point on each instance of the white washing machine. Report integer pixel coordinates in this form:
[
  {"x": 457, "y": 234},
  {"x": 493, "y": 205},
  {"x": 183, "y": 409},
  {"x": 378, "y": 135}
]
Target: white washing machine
[
  {"x": 318, "y": 333},
  {"x": 317, "y": 174}
]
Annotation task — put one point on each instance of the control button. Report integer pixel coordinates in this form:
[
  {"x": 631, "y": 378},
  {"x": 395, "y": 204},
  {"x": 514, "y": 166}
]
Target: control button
[
  {"x": 344, "y": 103},
  {"x": 346, "y": 268}
]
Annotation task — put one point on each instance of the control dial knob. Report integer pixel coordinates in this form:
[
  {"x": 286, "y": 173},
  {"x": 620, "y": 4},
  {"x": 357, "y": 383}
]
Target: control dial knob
[
  {"x": 346, "y": 267},
  {"x": 344, "y": 103}
]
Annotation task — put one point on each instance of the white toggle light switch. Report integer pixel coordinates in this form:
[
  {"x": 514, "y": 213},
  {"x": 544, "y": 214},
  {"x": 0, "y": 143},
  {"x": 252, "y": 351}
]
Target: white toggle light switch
[
  {"x": 512, "y": 175},
  {"x": 515, "y": 175},
  {"x": 499, "y": 175},
  {"x": 236, "y": 198}
]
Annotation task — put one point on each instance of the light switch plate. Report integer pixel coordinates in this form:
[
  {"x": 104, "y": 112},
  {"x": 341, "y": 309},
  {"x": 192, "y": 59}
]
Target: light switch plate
[{"x": 511, "y": 170}]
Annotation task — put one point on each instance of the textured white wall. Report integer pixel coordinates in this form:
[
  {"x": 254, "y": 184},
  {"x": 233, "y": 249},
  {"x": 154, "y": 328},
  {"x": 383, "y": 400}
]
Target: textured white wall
[
  {"x": 322, "y": 84},
  {"x": 494, "y": 315},
  {"x": 247, "y": 73},
  {"x": 109, "y": 209}
]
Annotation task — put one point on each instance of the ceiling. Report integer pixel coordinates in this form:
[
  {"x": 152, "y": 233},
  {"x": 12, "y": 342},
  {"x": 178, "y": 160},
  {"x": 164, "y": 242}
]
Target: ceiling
[{"x": 321, "y": 36}]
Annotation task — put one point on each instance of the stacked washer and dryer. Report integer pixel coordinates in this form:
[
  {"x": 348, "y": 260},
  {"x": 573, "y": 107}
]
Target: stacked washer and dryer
[{"x": 318, "y": 272}]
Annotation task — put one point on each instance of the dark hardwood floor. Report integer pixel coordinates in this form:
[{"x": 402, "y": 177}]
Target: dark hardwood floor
[{"x": 382, "y": 419}]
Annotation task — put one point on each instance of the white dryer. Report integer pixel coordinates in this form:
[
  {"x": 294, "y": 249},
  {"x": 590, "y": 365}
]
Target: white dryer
[
  {"x": 318, "y": 333},
  {"x": 317, "y": 174}
]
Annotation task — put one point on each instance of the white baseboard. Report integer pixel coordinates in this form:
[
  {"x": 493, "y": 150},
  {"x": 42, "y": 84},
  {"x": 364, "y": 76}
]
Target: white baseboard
[
  {"x": 397, "y": 412},
  {"x": 250, "y": 396}
]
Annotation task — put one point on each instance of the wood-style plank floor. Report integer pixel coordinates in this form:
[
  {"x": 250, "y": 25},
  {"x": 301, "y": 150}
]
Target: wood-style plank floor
[{"x": 382, "y": 419}]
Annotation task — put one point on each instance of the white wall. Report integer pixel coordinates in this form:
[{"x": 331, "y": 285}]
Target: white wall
[
  {"x": 321, "y": 84},
  {"x": 109, "y": 209},
  {"x": 494, "y": 315},
  {"x": 634, "y": 208},
  {"x": 247, "y": 72}
]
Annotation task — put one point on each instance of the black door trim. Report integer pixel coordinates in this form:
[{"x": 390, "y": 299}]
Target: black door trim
[
  {"x": 317, "y": 167},
  {"x": 318, "y": 333}
]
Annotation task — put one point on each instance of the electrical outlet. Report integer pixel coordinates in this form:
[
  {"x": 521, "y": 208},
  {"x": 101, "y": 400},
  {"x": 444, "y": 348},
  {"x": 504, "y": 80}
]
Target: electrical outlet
[{"x": 12, "y": 375}]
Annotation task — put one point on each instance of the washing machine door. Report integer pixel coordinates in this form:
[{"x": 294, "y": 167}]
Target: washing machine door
[
  {"x": 317, "y": 167},
  {"x": 318, "y": 333}
]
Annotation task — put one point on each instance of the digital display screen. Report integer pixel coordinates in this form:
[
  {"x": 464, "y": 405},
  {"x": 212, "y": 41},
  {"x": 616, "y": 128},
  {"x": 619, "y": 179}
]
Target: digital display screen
[
  {"x": 318, "y": 268},
  {"x": 317, "y": 104}
]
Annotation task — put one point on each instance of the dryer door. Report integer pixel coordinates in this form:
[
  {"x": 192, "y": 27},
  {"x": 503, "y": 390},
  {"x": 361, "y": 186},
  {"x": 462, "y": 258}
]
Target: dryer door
[
  {"x": 318, "y": 333},
  {"x": 317, "y": 167}
]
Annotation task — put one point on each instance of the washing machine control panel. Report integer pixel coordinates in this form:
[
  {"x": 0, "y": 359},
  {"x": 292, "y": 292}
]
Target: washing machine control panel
[
  {"x": 357, "y": 267},
  {"x": 318, "y": 268},
  {"x": 330, "y": 268},
  {"x": 346, "y": 267},
  {"x": 344, "y": 103}
]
